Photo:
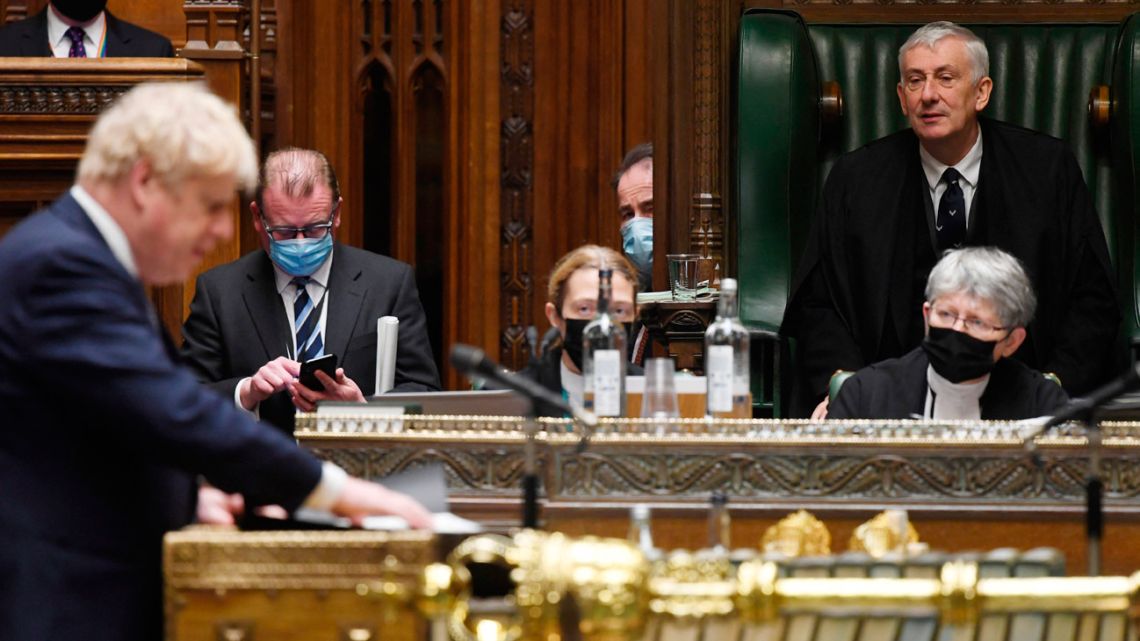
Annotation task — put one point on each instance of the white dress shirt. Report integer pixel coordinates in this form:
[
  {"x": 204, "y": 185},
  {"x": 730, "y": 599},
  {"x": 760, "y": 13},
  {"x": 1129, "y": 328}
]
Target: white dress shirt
[
  {"x": 946, "y": 401},
  {"x": 970, "y": 167},
  {"x": 95, "y": 34}
]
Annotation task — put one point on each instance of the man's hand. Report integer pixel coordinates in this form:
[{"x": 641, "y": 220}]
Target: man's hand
[
  {"x": 215, "y": 507},
  {"x": 341, "y": 389},
  {"x": 820, "y": 411},
  {"x": 362, "y": 498},
  {"x": 273, "y": 377}
]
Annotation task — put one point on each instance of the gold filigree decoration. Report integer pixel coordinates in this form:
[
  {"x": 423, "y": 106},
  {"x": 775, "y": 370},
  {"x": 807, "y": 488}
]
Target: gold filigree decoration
[{"x": 798, "y": 534}]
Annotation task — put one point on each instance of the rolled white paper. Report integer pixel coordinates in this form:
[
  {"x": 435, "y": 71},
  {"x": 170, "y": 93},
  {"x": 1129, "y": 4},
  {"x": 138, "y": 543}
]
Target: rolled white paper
[{"x": 387, "y": 328}]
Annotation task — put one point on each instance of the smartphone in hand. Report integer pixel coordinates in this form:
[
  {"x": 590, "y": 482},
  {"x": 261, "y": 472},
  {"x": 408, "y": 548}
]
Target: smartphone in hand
[{"x": 326, "y": 364}]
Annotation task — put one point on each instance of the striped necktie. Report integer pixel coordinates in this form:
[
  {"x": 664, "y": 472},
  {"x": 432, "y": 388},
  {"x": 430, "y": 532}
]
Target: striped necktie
[
  {"x": 950, "y": 226},
  {"x": 307, "y": 321},
  {"x": 76, "y": 34}
]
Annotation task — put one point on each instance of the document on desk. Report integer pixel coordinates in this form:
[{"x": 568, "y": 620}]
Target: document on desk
[{"x": 387, "y": 330}]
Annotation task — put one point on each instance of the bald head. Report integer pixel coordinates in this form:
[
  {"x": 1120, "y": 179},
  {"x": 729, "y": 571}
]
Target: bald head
[{"x": 296, "y": 173}]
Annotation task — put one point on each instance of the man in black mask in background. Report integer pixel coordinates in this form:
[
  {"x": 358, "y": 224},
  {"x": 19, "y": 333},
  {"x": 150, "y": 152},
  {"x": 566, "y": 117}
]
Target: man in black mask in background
[
  {"x": 80, "y": 29},
  {"x": 978, "y": 303}
]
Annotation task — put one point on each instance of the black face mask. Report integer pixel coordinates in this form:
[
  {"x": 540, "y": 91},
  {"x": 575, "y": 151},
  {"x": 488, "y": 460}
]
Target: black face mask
[
  {"x": 572, "y": 341},
  {"x": 79, "y": 10},
  {"x": 957, "y": 356}
]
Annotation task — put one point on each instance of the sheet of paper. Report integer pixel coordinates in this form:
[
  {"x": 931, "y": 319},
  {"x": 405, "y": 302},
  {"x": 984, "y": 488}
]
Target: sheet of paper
[{"x": 387, "y": 330}]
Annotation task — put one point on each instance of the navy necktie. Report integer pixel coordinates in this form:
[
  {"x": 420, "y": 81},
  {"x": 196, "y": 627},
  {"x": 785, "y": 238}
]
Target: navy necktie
[
  {"x": 76, "y": 34},
  {"x": 306, "y": 320},
  {"x": 951, "y": 223}
]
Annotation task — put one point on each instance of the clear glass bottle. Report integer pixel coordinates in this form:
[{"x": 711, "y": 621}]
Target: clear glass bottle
[
  {"x": 604, "y": 356},
  {"x": 726, "y": 359},
  {"x": 720, "y": 523},
  {"x": 640, "y": 533}
]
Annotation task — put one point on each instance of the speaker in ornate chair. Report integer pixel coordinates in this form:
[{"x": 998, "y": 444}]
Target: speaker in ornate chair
[{"x": 808, "y": 93}]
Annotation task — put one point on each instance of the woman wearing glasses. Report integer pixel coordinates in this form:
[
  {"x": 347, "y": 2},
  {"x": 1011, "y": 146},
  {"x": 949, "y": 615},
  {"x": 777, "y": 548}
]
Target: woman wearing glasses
[{"x": 978, "y": 303}]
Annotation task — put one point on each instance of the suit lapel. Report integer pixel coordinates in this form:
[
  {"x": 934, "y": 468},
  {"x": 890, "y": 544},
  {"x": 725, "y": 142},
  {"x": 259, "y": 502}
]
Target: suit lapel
[
  {"x": 117, "y": 40},
  {"x": 266, "y": 311},
  {"x": 34, "y": 39},
  {"x": 345, "y": 300}
]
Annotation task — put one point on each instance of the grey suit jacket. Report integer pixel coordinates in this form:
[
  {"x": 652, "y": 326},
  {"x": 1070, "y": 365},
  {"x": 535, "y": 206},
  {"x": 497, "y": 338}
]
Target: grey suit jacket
[{"x": 238, "y": 323}]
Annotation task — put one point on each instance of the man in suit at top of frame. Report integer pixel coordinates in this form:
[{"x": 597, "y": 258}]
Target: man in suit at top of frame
[
  {"x": 255, "y": 320},
  {"x": 104, "y": 433},
  {"x": 80, "y": 29}
]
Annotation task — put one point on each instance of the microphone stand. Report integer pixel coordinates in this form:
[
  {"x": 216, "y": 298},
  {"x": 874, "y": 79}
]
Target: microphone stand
[{"x": 530, "y": 473}]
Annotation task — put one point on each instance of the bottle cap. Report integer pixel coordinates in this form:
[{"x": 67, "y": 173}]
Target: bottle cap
[
  {"x": 719, "y": 498},
  {"x": 639, "y": 512},
  {"x": 728, "y": 284}
]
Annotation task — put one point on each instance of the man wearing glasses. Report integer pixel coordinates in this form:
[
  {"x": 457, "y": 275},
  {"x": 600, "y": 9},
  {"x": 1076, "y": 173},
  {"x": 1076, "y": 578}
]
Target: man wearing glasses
[
  {"x": 978, "y": 303},
  {"x": 254, "y": 321}
]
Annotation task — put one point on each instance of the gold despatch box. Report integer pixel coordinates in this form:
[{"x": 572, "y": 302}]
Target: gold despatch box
[{"x": 225, "y": 585}]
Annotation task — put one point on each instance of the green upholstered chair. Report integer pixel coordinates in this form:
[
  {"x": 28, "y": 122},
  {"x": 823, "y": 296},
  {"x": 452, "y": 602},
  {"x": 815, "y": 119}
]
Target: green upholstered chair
[{"x": 1043, "y": 75}]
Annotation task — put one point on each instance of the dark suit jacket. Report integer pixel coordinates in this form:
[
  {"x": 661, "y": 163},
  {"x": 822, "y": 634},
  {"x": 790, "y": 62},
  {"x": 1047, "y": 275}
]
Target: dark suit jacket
[
  {"x": 896, "y": 388},
  {"x": 858, "y": 293},
  {"x": 238, "y": 323},
  {"x": 102, "y": 439},
  {"x": 29, "y": 38}
]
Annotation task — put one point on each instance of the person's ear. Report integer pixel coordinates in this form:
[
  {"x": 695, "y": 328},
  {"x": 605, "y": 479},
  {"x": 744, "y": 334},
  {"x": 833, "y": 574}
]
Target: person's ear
[
  {"x": 985, "y": 88},
  {"x": 902, "y": 98},
  {"x": 555, "y": 318},
  {"x": 1012, "y": 342},
  {"x": 336, "y": 218},
  {"x": 925, "y": 318},
  {"x": 255, "y": 214}
]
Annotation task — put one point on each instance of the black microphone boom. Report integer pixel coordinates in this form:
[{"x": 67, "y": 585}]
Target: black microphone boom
[
  {"x": 1080, "y": 407},
  {"x": 473, "y": 362}
]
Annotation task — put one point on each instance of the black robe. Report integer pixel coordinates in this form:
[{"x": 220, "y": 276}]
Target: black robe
[
  {"x": 858, "y": 292},
  {"x": 896, "y": 388}
]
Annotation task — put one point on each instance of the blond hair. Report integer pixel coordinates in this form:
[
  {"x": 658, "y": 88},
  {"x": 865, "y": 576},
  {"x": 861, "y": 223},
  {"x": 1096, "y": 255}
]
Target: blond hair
[
  {"x": 586, "y": 256},
  {"x": 181, "y": 129}
]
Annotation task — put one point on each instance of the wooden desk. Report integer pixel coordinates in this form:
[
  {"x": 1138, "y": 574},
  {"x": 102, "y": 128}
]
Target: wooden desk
[
  {"x": 678, "y": 328},
  {"x": 966, "y": 488}
]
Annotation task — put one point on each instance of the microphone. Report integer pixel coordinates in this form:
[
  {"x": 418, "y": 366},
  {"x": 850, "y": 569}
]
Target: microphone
[
  {"x": 1079, "y": 407},
  {"x": 473, "y": 362}
]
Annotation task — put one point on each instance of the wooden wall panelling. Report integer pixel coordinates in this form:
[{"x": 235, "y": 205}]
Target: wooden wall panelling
[
  {"x": 162, "y": 16},
  {"x": 590, "y": 104},
  {"x": 214, "y": 40},
  {"x": 473, "y": 293},
  {"x": 517, "y": 105}
]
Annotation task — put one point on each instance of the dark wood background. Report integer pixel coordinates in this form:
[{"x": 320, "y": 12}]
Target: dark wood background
[{"x": 476, "y": 139}]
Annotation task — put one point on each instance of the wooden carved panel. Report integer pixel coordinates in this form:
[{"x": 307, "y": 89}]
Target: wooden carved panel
[{"x": 517, "y": 196}]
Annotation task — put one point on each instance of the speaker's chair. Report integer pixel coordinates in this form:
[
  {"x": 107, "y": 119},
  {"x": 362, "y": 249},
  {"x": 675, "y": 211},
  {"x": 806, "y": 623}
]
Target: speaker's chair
[{"x": 808, "y": 93}]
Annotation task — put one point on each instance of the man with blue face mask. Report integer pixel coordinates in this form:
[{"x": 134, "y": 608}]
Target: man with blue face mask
[
  {"x": 634, "y": 185},
  {"x": 254, "y": 321}
]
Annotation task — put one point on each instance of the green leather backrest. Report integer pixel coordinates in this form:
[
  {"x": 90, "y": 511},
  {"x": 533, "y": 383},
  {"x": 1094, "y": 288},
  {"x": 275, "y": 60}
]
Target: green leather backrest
[
  {"x": 1042, "y": 77},
  {"x": 1125, "y": 129}
]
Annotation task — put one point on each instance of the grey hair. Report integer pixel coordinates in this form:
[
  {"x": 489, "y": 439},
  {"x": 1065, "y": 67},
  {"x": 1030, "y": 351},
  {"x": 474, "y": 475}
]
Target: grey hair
[
  {"x": 989, "y": 274},
  {"x": 930, "y": 34}
]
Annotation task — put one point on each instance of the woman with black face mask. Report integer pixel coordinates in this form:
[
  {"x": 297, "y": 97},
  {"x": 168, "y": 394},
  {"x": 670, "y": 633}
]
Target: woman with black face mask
[
  {"x": 978, "y": 304},
  {"x": 572, "y": 298}
]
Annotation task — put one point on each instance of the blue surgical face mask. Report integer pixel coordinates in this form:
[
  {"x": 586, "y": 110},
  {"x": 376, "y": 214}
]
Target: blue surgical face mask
[
  {"x": 300, "y": 256},
  {"x": 637, "y": 242}
]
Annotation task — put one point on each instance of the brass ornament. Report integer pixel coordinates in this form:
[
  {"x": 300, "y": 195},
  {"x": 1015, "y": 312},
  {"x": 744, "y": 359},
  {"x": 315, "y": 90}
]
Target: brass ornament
[
  {"x": 890, "y": 531},
  {"x": 795, "y": 535}
]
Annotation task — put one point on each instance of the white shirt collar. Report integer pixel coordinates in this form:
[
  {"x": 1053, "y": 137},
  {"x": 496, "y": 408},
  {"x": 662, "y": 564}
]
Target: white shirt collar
[
  {"x": 108, "y": 228},
  {"x": 57, "y": 32},
  {"x": 970, "y": 166},
  {"x": 574, "y": 386},
  {"x": 954, "y": 401},
  {"x": 319, "y": 277}
]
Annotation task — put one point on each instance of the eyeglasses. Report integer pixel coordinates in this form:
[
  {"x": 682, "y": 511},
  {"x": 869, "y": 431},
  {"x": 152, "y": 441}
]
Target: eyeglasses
[
  {"x": 974, "y": 326},
  {"x": 315, "y": 230}
]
